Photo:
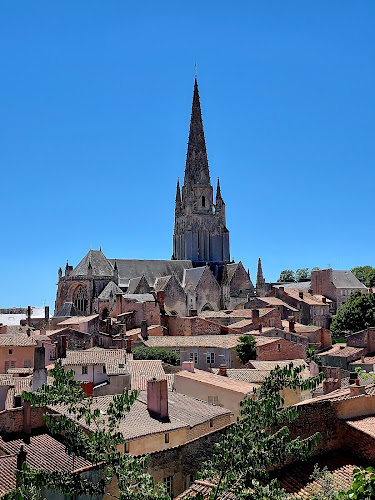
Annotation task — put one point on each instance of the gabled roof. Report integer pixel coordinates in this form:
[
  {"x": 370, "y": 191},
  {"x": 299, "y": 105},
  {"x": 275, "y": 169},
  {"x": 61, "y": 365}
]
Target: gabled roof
[
  {"x": 78, "y": 320},
  {"x": 184, "y": 412},
  {"x": 101, "y": 266},
  {"x": 240, "y": 386},
  {"x": 43, "y": 452},
  {"x": 95, "y": 355},
  {"x": 19, "y": 340},
  {"x": 68, "y": 309},
  {"x": 231, "y": 270},
  {"x": 111, "y": 288},
  {"x": 346, "y": 279},
  {"x": 161, "y": 283},
  {"x": 151, "y": 269},
  {"x": 192, "y": 277},
  {"x": 135, "y": 282}
]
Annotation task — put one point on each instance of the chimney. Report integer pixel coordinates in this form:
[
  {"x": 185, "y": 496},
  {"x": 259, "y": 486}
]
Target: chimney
[
  {"x": 17, "y": 402},
  {"x": 188, "y": 365},
  {"x": 40, "y": 371},
  {"x": 324, "y": 299},
  {"x": 362, "y": 358},
  {"x": 160, "y": 298},
  {"x": 353, "y": 377},
  {"x": 27, "y": 418},
  {"x": 21, "y": 459},
  {"x": 61, "y": 346},
  {"x": 144, "y": 329},
  {"x": 28, "y": 332},
  {"x": 330, "y": 385},
  {"x": 300, "y": 295},
  {"x": 46, "y": 314},
  {"x": 128, "y": 346},
  {"x": 281, "y": 288},
  {"x": 255, "y": 317},
  {"x": 291, "y": 324},
  {"x": 28, "y": 315},
  {"x": 223, "y": 370},
  {"x": 260, "y": 327},
  {"x": 357, "y": 390},
  {"x": 157, "y": 399}
]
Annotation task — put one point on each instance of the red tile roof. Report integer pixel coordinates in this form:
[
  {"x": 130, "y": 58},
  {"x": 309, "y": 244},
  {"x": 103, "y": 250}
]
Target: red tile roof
[
  {"x": 364, "y": 424},
  {"x": 217, "y": 381},
  {"x": 43, "y": 452},
  {"x": 16, "y": 340}
]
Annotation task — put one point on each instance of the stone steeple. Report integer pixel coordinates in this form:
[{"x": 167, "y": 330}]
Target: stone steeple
[
  {"x": 196, "y": 167},
  {"x": 261, "y": 282},
  {"x": 200, "y": 232}
]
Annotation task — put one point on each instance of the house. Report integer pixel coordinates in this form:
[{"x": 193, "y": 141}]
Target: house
[
  {"x": 216, "y": 389},
  {"x": 312, "y": 309},
  {"x": 335, "y": 285},
  {"x": 16, "y": 351},
  {"x": 171, "y": 427}
]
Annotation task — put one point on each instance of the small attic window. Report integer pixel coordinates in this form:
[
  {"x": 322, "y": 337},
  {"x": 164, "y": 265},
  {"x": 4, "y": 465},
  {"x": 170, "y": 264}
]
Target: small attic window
[{"x": 203, "y": 201}]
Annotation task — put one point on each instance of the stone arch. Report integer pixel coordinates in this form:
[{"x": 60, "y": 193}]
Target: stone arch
[{"x": 207, "y": 307}]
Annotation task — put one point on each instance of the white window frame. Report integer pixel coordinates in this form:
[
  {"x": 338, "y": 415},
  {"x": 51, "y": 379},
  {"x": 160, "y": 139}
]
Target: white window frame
[{"x": 210, "y": 358}]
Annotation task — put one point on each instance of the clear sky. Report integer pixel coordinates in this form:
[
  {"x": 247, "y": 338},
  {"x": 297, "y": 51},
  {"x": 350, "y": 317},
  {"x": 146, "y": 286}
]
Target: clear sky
[{"x": 95, "y": 100}]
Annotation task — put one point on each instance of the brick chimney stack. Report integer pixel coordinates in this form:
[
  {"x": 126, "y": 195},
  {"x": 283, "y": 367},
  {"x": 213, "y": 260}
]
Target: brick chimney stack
[
  {"x": 21, "y": 459},
  {"x": 223, "y": 370},
  {"x": 291, "y": 324},
  {"x": 144, "y": 329},
  {"x": 157, "y": 399},
  {"x": 40, "y": 371},
  {"x": 27, "y": 418},
  {"x": 28, "y": 315},
  {"x": 128, "y": 346},
  {"x": 160, "y": 298},
  {"x": 188, "y": 365},
  {"x": 260, "y": 327},
  {"x": 255, "y": 317}
]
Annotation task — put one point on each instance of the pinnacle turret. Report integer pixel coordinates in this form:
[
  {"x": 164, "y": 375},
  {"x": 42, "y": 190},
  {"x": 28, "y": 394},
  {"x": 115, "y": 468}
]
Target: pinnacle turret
[
  {"x": 196, "y": 168},
  {"x": 261, "y": 282}
]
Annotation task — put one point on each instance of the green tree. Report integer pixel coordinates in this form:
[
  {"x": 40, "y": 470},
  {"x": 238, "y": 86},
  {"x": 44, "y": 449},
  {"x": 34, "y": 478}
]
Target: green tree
[
  {"x": 365, "y": 274},
  {"x": 144, "y": 352},
  {"x": 286, "y": 276},
  {"x": 99, "y": 447},
  {"x": 357, "y": 313},
  {"x": 302, "y": 274},
  {"x": 250, "y": 447},
  {"x": 311, "y": 355},
  {"x": 246, "y": 348}
]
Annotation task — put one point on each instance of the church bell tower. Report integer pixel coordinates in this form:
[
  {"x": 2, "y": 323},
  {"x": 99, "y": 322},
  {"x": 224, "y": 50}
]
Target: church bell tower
[{"x": 200, "y": 232}]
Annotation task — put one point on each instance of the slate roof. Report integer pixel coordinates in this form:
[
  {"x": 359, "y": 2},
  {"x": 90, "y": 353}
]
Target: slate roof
[
  {"x": 184, "y": 412},
  {"x": 192, "y": 277},
  {"x": 68, "y": 309},
  {"x": 19, "y": 340},
  {"x": 161, "y": 283},
  {"x": 151, "y": 269},
  {"x": 111, "y": 288},
  {"x": 346, "y": 279},
  {"x": 231, "y": 270},
  {"x": 301, "y": 285},
  {"x": 43, "y": 452},
  {"x": 140, "y": 297},
  {"x": 99, "y": 262}
]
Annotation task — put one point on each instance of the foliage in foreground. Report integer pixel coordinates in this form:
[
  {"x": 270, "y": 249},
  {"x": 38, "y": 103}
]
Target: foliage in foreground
[
  {"x": 99, "y": 447},
  {"x": 246, "y": 348},
  {"x": 144, "y": 352},
  {"x": 247, "y": 451},
  {"x": 356, "y": 314}
]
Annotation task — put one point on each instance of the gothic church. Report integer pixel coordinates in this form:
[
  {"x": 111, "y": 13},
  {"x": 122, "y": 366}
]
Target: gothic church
[{"x": 200, "y": 275}]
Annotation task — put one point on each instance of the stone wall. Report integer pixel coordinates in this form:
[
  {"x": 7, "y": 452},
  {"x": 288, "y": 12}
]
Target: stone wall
[
  {"x": 12, "y": 420},
  {"x": 279, "y": 350}
]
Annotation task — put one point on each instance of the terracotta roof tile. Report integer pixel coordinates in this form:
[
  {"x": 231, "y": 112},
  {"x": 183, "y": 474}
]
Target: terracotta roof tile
[
  {"x": 17, "y": 340},
  {"x": 240, "y": 386},
  {"x": 43, "y": 452}
]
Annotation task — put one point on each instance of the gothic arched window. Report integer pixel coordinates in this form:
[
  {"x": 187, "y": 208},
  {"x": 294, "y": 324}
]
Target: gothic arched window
[
  {"x": 203, "y": 201},
  {"x": 80, "y": 299}
]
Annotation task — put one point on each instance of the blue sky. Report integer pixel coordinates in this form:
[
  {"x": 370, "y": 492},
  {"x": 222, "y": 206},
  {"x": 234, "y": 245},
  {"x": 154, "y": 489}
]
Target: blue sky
[{"x": 95, "y": 101}]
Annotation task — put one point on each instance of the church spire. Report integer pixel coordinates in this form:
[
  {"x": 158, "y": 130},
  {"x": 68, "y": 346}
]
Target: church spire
[
  {"x": 261, "y": 282},
  {"x": 196, "y": 168},
  {"x": 178, "y": 203}
]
